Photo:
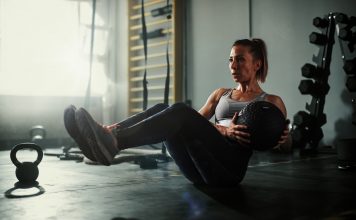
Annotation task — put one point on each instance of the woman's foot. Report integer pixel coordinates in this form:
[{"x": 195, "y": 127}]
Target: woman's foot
[
  {"x": 72, "y": 129},
  {"x": 101, "y": 141}
]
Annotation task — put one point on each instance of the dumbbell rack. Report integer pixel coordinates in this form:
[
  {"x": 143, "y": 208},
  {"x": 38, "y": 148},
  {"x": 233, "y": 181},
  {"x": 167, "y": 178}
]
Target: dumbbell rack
[{"x": 307, "y": 132}]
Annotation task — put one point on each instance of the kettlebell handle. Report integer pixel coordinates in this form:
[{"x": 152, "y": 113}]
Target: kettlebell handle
[{"x": 18, "y": 147}]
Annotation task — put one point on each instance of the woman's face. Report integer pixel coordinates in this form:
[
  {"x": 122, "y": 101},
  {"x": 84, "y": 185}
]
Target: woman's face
[{"x": 242, "y": 66}]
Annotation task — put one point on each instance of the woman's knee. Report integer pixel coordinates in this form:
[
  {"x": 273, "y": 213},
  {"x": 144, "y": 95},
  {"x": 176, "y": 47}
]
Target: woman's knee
[
  {"x": 179, "y": 105},
  {"x": 161, "y": 106},
  {"x": 182, "y": 108}
]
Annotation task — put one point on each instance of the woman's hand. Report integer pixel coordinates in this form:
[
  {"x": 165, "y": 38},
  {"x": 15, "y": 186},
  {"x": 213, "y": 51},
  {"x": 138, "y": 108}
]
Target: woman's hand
[
  {"x": 285, "y": 134},
  {"x": 285, "y": 142},
  {"x": 238, "y": 132},
  {"x": 109, "y": 128}
]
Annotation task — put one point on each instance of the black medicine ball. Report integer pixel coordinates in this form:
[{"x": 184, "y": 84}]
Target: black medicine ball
[{"x": 265, "y": 123}]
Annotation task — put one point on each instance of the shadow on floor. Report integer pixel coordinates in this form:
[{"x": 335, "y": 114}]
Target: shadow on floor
[{"x": 231, "y": 197}]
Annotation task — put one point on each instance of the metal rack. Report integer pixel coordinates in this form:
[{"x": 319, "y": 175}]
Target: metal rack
[{"x": 307, "y": 131}]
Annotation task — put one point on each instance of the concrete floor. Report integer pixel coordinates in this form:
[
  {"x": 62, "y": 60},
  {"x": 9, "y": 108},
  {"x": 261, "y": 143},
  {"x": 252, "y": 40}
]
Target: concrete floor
[{"x": 277, "y": 186}]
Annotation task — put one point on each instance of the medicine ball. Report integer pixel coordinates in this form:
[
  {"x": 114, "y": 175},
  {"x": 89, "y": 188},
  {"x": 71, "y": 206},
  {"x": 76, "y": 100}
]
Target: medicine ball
[{"x": 265, "y": 123}]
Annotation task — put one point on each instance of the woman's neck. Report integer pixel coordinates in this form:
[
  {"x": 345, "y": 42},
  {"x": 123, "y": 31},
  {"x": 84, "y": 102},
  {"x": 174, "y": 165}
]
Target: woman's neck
[{"x": 249, "y": 88}]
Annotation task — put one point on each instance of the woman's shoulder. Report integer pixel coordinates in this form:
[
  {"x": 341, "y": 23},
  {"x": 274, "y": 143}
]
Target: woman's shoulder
[
  {"x": 218, "y": 93},
  {"x": 272, "y": 98},
  {"x": 276, "y": 100},
  {"x": 222, "y": 91}
]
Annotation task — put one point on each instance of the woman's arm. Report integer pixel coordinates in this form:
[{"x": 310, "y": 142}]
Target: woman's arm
[
  {"x": 234, "y": 132},
  {"x": 284, "y": 141},
  {"x": 208, "y": 109},
  {"x": 276, "y": 100}
]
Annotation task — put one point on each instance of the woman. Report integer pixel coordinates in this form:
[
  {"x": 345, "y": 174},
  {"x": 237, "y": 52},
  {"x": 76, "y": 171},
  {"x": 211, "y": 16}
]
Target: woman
[{"x": 206, "y": 153}]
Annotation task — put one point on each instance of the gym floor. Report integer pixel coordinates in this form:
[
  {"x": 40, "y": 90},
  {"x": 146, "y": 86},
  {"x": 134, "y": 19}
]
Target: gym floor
[{"x": 276, "y": 186}]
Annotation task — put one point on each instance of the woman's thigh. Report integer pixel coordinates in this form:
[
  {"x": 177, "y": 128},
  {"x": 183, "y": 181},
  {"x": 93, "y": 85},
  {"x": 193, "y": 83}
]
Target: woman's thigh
[{"x": 203, "y": 148}]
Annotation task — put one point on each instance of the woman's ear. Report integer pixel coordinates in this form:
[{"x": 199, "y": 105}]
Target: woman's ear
[{"x": 258, "y": 64}]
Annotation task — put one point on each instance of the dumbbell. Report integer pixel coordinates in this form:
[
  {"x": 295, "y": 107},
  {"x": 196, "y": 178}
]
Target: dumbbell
[
  {"x": 37, "y": 132},
  {"x": 351, "y": 83},
  {"x": 318, "y": 39},
  {"x": 313, "y": 88}
]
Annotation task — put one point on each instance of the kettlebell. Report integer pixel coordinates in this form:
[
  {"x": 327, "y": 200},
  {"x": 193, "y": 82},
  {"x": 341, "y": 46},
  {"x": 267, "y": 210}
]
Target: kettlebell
[{"x": 26, "y": 172}]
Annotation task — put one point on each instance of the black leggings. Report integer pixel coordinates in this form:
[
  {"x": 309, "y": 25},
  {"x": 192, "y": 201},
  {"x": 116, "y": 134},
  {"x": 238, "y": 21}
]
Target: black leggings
[{"x": 202, "y": 154}]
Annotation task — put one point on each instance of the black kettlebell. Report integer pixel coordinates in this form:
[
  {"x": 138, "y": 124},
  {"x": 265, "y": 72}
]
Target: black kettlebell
[{"x": 26, "y": 172}]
